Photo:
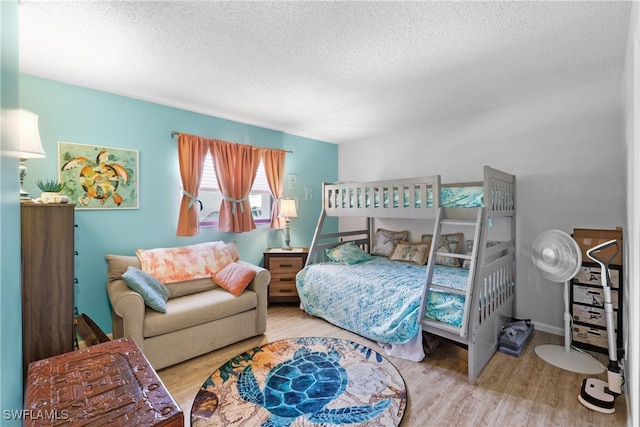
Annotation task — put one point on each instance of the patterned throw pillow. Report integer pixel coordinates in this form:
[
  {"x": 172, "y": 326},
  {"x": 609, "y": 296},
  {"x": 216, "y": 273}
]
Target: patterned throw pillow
[
  {"x": 386, "y": 240},
  {"x": 347, "y": 253},
  {"x": 450, "y": 243},
  {"x": 153, "y": 292},
  {"x": 413, "y": 252},
  {"x": 171, "y": 265},
  {"x": 234, "y": 278}
]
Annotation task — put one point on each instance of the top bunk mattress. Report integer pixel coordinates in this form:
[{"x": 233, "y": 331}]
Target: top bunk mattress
[{"x": 451, "y": 197}]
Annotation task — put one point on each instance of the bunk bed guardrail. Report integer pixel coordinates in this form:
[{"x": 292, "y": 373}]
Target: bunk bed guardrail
[{"x": 401, "y": 198}]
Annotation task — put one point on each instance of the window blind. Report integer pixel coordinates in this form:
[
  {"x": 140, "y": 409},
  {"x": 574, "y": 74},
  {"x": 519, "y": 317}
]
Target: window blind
[{"x": 210, "y": 182}]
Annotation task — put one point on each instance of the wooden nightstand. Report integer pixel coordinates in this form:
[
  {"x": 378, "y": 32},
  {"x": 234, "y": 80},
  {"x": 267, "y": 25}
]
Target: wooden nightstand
[{"x": 283, "y": 265}]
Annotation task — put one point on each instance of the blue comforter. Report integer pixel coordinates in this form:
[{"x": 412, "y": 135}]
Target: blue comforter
[{"x": 377, "y": 299}]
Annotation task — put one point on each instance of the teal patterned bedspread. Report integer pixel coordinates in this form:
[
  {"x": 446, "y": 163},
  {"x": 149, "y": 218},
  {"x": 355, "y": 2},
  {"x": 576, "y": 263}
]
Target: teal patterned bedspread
[{"x": 379, "y": 299}]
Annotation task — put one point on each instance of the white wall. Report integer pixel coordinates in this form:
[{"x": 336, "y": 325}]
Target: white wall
[
  {"x": 566, "y": 153},
  {"x": 631, "y": 93}
]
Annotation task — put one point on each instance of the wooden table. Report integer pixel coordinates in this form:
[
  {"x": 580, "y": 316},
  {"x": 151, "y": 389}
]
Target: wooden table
[{"x": 108, "y": 384}]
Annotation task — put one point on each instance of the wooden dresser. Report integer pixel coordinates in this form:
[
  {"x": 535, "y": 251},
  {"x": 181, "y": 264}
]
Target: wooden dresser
[
  {"x": 284, "y": 264},
  {"x": 47, "y": 232},
  {"x": 108, "y": 384}
]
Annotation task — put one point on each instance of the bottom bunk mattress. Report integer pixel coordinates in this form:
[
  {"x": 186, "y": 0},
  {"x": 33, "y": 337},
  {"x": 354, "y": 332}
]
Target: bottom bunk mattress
[{"x": 379, "y": 299}]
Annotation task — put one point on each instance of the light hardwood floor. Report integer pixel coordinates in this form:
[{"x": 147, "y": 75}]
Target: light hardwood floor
[{"x": 510, "y": 391}]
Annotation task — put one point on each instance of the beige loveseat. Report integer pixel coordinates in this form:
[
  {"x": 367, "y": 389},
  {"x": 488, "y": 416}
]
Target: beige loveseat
[{"x": 200, "y": 316}]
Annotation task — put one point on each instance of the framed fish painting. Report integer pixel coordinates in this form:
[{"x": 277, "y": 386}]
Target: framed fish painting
[{"x": 97, "y": 177}]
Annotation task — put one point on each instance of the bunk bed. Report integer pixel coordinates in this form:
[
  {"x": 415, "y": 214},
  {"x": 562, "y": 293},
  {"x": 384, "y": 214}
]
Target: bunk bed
[{"x": 353, "y": 279}]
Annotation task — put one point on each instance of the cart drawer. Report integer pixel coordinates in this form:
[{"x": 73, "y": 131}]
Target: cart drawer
[
  {"x": 592, "y": 296},
  {"x": 592, "y": 336},
  {"x": 591, "y": 276},
  {"x": 592, "y": 315}
]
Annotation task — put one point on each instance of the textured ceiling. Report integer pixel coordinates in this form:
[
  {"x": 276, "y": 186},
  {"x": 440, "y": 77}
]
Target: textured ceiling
[{"x": 333, "y": 71}]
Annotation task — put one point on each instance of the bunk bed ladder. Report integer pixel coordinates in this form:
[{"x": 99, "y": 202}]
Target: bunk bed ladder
[
  {"x": 313, "y": 250},
  {"x": 460, "y": 331}
]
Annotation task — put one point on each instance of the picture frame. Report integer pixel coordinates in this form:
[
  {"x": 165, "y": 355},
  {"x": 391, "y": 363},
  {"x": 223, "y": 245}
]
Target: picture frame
[{"x": 98, "y": 177}]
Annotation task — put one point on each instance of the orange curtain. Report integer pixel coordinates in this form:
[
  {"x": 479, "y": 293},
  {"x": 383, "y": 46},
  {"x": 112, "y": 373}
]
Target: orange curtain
[
  {"x": 274, "y": 169},
  {"x": 191, "y": 153},
  {"x": 236, "y": 167}
]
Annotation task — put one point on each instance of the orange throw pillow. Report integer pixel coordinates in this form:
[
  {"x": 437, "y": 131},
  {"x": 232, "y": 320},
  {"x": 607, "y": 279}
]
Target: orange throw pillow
[{"x": 234, "y": 278}]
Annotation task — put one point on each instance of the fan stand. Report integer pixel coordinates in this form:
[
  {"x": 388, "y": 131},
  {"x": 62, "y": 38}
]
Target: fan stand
[{"x": 566, "y": 357}]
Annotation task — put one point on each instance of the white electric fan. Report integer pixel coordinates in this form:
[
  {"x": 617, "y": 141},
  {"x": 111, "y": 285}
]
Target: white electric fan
[{"x": 558, "y": 258}]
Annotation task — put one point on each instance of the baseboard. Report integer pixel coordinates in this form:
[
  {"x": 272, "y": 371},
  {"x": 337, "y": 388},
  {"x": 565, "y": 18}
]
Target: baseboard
[{"x": 548, "y": 328}]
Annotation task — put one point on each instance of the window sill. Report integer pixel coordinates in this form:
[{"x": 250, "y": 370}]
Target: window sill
[{"x": 215, "y": 224}]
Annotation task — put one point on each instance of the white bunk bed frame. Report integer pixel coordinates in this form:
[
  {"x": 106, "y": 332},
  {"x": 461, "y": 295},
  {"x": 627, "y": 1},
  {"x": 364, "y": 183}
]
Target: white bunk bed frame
[{"x": 491, "y": 287}]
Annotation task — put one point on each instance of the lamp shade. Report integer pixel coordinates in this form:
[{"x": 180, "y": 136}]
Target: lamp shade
[
  {"x": 288, "y": 208},
  {"x": 30, "y": 144}
]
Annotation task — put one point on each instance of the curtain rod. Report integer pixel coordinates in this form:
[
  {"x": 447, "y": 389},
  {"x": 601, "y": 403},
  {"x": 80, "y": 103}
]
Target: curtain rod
[{"x": 174, "y": 133}]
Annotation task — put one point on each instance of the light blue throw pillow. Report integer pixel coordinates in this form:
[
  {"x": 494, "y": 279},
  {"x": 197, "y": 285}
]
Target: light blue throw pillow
[
  {"x": 348, "y": 253},
  {"x": 154, "y": 293}
]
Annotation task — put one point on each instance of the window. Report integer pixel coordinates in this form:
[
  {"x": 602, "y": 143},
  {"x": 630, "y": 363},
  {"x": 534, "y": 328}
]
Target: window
[{"x": 210, "y": 196}]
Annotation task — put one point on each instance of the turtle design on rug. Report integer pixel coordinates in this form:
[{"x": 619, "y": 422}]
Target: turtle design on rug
[
  {"x": 302, "y": 382},
  {"x": 303, "y": 386}
]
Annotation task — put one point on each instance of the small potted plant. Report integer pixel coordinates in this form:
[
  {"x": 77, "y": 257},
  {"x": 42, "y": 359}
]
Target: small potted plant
[{"x": 50, "y": 190}]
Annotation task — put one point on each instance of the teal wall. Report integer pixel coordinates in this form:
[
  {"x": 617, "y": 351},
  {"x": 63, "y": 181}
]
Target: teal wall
[
  {"x": 75, "y": 114},
  {"x": 10, "y": 305}
]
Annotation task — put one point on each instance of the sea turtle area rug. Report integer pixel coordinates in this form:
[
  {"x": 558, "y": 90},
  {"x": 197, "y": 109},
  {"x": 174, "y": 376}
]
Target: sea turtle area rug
[{"x": 303, "y": 382}]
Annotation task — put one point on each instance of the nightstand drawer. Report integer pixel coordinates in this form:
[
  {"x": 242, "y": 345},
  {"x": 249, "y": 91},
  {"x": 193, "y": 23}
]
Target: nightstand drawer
[
  {"x": 283, "y": 280},
  {"x": 287, "y": 290},
  {"x": 283, "y": 285},
  {"x": 285, "y": 265}
]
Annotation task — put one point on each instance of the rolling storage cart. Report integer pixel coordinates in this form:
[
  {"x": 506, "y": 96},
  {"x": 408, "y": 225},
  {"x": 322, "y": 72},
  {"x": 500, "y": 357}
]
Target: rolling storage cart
[{"x": 587, "y": 295}]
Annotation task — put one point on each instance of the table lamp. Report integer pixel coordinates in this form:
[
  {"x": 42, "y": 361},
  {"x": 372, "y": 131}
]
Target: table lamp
[
  {"x": 30, "y": 146},
  {"x": 287, "y": 210}
]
